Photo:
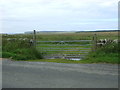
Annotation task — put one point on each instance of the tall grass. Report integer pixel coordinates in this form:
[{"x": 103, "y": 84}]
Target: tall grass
[
  {"x": 19, "y": 50},
  {"x": 105, "y": 54}
]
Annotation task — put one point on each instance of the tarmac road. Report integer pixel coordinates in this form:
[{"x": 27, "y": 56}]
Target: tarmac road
[
  {"x": 0, "y": 73},
  {"x": 58, "y": 75}
]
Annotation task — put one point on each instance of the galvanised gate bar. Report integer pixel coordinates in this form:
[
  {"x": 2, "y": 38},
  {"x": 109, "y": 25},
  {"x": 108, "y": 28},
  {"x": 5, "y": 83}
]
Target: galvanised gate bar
[{"x": 68, "y": 49}]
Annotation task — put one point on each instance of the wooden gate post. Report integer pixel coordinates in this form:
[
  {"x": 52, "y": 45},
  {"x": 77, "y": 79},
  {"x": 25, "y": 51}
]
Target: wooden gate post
[
  {"x": 34, "y": 38},
  {"x": 94, "y": 42}
]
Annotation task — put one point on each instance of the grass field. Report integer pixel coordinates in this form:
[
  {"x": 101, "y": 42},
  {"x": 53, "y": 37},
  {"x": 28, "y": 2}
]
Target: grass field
[
  {"x": 77, "y": 36},
  {"x": 67, "y": 36}
]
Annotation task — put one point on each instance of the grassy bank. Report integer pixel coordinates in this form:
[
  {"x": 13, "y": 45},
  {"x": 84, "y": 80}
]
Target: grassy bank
[
  {"x": 106, "y": 54},
  {"x": 19, "y": 50}
]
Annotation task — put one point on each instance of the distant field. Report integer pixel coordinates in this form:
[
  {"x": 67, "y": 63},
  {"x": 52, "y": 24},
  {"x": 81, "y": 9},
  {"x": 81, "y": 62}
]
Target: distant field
[
  {"x": 77, "y": 36},
  {"x": 67, "y": 36}
]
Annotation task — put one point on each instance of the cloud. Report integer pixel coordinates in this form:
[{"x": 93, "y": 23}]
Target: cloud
[
  {"x": 28, "y": 8},
  {"x": 66, "y": 14}
]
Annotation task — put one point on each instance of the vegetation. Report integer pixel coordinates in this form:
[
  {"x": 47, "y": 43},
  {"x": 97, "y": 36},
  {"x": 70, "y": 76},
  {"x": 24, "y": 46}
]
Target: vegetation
[
  {"x": 19, "y": 50},
  {"x": 77, "y": 36},
  {"x": 106, "y": 54}
]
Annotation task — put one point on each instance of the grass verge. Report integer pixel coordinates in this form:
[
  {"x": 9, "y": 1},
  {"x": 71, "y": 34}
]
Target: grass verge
[
  {"x": 105, "y": 54},
  {"x": 19, "y": 50},
  {"x": 86, "y": 61}
]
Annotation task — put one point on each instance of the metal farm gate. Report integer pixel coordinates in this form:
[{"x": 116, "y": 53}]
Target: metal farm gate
[
  {"x": 72, "y": 49},
  {"x": 67, "y": 49}
]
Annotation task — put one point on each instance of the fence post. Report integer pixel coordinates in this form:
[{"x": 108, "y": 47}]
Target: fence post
[
  {"x": 94, "y": 42},
  {"x": 34, "y": 38}
]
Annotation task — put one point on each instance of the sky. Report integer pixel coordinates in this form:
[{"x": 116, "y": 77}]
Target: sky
[{"x": 18, "y": 16}]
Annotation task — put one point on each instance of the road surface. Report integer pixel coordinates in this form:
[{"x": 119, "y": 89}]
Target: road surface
[
  {"x": 58, "y": 75},
  {"x": 0, "y": 73}
]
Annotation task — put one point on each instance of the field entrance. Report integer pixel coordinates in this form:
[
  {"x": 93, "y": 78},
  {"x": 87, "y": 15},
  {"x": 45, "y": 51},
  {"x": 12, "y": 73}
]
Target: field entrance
[{"x": 64, "y": 49}]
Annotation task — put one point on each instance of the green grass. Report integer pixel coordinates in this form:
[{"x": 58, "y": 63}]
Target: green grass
[
  {"x": 19, "y": 50},
  {"x": 106, "y": 59},
  {"x": 102, "y": 58},
  {"x": 85, "y": 61},
  {"x": 106, "y": 54}
]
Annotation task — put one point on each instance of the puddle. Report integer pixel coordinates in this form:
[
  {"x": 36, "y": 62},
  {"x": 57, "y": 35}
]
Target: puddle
[
  {"x": 58, "y": 57},
  {"x": 76, "y": 59}
]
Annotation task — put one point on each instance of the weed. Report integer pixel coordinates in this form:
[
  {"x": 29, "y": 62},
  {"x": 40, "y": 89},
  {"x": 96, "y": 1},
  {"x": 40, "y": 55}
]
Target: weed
[{"x": 19, "y": 50}]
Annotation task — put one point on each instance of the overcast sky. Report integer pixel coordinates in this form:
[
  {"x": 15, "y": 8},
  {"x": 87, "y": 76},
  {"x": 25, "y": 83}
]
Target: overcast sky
[{"x": 18, "y": 16}]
